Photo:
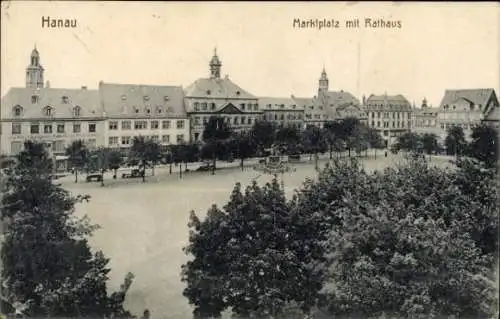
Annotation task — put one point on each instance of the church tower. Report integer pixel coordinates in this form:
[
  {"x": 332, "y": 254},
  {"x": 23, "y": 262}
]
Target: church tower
[
  {"x": 215, "y": 66},
  {"x": 323, "y": 81},
  {"x": 34, "y": 72}
]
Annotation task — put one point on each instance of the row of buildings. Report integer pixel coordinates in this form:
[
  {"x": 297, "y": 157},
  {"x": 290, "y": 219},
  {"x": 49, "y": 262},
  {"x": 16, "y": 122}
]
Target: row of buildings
[{"x": 114, "y": 113}]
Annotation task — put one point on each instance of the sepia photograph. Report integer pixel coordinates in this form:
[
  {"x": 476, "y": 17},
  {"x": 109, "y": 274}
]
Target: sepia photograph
[{"x": 261, "y": 160}]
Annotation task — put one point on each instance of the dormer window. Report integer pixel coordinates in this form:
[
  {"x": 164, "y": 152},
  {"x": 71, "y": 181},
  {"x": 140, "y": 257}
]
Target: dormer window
[
  {"x": 65, "y": 100},
  {"x": 238, "y": 93},
  {"x": 269, "y": 106},
  {"x": 166, "y": 98},
  {"x": 294, "y": 106},
  {"x": 124, "y": 97},
  {"x": 47, "y": 111},
  {"x": 18, "y": 110},
  {"x": 282, "y": 106},
  {"x": 158, "y": 110},
  {"x": 146, "y": 98},
  {"x": 34, "y": 99},
  {"x": 76, "y": 111},
  {"x": 136, "y": 110},
  {"x": 148, "y": 110},
  {"x": 208, "y": 92}
]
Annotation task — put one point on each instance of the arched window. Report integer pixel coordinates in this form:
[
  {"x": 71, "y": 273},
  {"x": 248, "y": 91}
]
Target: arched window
[
  {"x": 47, "y": 111},
  {"x": 17, "y": 110},
  {"x": 76, "y": 111}
]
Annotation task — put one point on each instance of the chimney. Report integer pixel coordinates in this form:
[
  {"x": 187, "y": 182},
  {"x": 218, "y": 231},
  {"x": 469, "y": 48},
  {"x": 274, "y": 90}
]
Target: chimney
[
  {"x": 84, "y": 87},
  {"x": 364, "y": 99},
  {"x": 226, "y": 77},
  {"x": 47, "y": 84}
]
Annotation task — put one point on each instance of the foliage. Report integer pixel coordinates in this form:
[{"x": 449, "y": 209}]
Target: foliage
[
  {"x": 262, "y": 135},
  {"x": 287, "y": 135},
  {"x": 254, "y": 257},
  {"x": 215, "y": 135},
  {"x": 412, "y": 241},
  {"x": 47, "y": 265},
  {"x": 240, "y": 146},
  {"x": 146, "y": 152},
  {"x": 409, "y": 142},
  {"x": 455, "y": 141},
  {"x": 313, "y": 139},
  {"x": 115, "y": 160},
  {"x": 484, "y": 145},
  {"x": 430, "y": 143},
  {"x": 77, "y": 153}
]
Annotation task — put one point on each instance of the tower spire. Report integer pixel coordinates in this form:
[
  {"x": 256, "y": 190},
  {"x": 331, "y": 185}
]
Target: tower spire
[
  {"x": 323, "y": 80},
  {"x": 215, "y": 65},
  {"x": 34, "y": 71}
]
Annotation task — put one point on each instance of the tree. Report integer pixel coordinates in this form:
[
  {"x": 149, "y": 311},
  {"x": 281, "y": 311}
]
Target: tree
[
  {"x": 35, "y": 157},
  {"x": 349, "y": 133},
  {"x": 375, "y": 140},
  {"x": 333, "y": 134},
  {"x": 262, "y": 135},
  {"x": 484, "y": 145},
  {"x": 115, "y": 160},
  {"x": 153, "y": 154},
  {"x": 140, "y": 152},
  {"x": 455, "y": 141},
  {"x": 411, "y": 241},
  {"x": 77, "y": 154},
  {"x": 408, "y": 141},
  {"x": 216, "y": 133},
  {"x": 241, "y": 146},
  {"x": 288, "y": 139},
  {"x": 313, "y": 141},
  {"x": 98, "y": 160},
  {"x": 47, "y": 265},
  {"x": 429, "y": 143},
  {"x": 254, "y": 256}
]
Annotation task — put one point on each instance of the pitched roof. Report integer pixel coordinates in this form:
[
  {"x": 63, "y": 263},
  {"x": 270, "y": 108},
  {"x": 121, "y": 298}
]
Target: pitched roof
[
  {"x": 493, "y": 115},
  {"x": 87, "y": 100},
  {"x": 337, "y": 98},
  {"x": 476, "y": 96},
  {"x": 303, "y": 101},
  {"x": 384, "y": 101},
  {"x": 278, "y": 103},
  {"x": 217, "y": 88},
  {"x": 137, "y": 100}
]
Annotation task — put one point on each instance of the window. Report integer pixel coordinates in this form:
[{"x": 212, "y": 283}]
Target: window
[
  {"x": 282, "y": 117},
  {"x": 92, "y": 127},
  {"x": 76, "y": 111},
  {"x": 165, "y": 125},
  {"x": 166, "y": 98},
  {"x": 196, "y": 106},
  {"x": 205, "y": 120},
  {"x": 34, "y": 99},
  {"x": 60, "y": 128},
  {"x": 208, "y": 92},
  {"x": 35, "y": 129},
  {"x": 158, "y": 109},
  {"x": 77, "y": 128},
  {"x": 113, "y": 140},
  {"x": 136, "y": 110},
  {"x": 65, "y": 100},
  {"x": 47, "y": 128},
  {"x": 197, "y": 120},
  {"x": 212, "y": 106},
  {"x": 113, "y": 125},
  {"x": 154, "y": 125},
  {"x": 165, "y": 138},
  {"x": 140, "y": 125},
  {"x": 180, "y": 138},
  {"x": 155, "y": 138},
  {"x": 203, "y": 106},
  {"x": 125, "y": 140},
  {"x": 180, "y": 124},
  {"x": 18, "y": 110},
  {"x": 148, "y": 110},
  {"x": 235, "y": 121},
  {"x": 237, "y": 92},
  {"x": 196, "y": 136},
  {"x": 58, "y": 146},
  {"x": 243, "y": 120},
  {"x": 47, "y": 111},
  {"x": 16, "y": 128}
]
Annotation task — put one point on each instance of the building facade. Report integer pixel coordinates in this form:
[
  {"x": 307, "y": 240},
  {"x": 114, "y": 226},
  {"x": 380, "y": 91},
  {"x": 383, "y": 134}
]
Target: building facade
[
  {"x": 465, "y": 108},
  {"x": 282, "y": 111},
  {"x": 424, "y": 119},
  {"x": 152, "y": 111},
  {"x": 216, "y": 96},
  {"x": 390, "y": 115}
]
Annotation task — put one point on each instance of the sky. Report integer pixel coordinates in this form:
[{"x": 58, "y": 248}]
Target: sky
[{"x": 438, "y": 47}]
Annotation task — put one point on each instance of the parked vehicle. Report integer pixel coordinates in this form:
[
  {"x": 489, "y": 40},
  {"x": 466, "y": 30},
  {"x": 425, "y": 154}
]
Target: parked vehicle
[
  {"x": 94, "y": 177},
  {"x": 205, "y": 167},
  {"x": 135, "y": 173}
]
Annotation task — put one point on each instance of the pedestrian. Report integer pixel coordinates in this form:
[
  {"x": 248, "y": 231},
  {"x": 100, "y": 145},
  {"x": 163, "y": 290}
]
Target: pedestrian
[{"x": 146, "y": 314}]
